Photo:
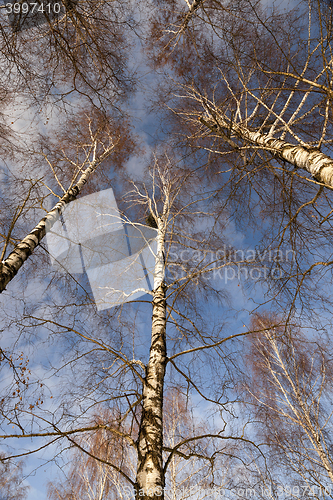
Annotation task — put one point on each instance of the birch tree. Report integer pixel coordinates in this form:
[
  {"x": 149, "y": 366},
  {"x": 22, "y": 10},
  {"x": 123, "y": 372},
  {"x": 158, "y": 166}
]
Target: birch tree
[
  {"x": 257, "y": 97},
  {"x": 290, "y": 389},
  {"x": 150, "y": 477},
  {"x": 74, "y": 171},
  {"x": 51, "y": 65},
  {"x": 110, "y": 367},
  {"x": 260, "y": 109}
]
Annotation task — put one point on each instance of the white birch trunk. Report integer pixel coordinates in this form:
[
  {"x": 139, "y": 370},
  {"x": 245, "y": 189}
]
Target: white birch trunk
[
  {"x": 319, "y": 165},
  {"x": 150, "y": 475},
  {"x": 159, "y": 273},
  {"x": 10, "y": 266}
]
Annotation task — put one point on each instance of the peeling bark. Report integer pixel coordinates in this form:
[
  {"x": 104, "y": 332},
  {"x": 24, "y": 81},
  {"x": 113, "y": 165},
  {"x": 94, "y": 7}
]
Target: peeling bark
[
  {"x": 319, "y": 165},
  {"x": 150, "y": 480},
  {"x": 10, "y": 266}
]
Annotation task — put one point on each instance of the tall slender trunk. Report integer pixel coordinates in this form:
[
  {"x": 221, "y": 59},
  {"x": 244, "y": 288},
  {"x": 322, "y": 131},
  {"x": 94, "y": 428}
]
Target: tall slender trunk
[
  {"x": 150, "y": 475},
  {"x": 10, "y": 266},
  {"x": 319, "y": 165}
]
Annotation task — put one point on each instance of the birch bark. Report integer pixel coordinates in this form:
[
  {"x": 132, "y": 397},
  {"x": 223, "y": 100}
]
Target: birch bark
[
  {"x": 319, "y": 165},
  {"x": 10, "y": 266},
  {"x": 150, "y": 480}
]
